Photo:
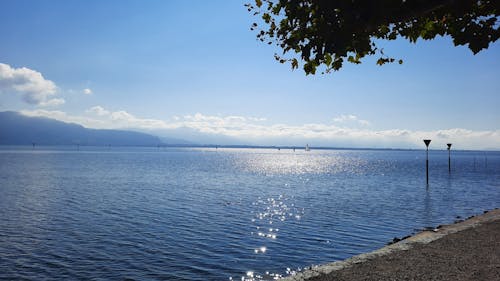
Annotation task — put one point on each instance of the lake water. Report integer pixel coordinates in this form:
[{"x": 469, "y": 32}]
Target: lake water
[{"x": 207, "y": 214}]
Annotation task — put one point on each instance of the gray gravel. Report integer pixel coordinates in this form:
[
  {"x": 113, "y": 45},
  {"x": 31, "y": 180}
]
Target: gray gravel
[{"x": 471, "y": 254}]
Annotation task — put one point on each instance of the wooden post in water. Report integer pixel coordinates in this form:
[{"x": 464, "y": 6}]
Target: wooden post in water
[
  {"x": 449, "y": 157},
  {"x": 427, "y": 142}
]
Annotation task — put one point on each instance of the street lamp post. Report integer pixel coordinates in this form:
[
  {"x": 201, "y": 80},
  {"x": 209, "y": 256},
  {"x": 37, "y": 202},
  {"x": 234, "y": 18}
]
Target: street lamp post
[
  {"x": 427, "y": 142},
  {"x": 449, "y": 157}
]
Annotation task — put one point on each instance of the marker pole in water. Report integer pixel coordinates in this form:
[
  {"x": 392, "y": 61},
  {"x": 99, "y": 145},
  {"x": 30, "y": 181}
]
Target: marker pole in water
[
  {"x": 427, "y": 142},
  {"x": 449, "y": 157}
]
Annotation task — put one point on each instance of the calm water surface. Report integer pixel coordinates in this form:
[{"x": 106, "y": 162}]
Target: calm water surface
[{"x": 206, "y": 214}]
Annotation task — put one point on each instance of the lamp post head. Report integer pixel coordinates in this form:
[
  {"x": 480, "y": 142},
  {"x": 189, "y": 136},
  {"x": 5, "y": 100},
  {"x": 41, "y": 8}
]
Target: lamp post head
[
  {"x": 427, "y": 142},
  {"x": 449, "y": 146}
]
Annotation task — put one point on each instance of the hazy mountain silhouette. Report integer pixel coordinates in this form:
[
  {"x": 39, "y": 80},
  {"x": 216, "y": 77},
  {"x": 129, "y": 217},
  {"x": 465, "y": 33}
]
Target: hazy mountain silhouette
[{"x": 18, "y": 129}]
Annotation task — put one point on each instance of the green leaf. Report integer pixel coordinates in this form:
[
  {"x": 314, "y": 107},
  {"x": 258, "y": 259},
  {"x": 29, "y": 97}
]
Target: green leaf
[
  {"x": 336, "y": 31},
  {"x": 309, "y": 68},
  {"x": 266, "y": 17},
  {"x": 328, "y": 59}
]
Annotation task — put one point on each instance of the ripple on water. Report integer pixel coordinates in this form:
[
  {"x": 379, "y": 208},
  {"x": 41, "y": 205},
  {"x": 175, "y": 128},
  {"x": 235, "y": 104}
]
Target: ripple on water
[{"x": 216, "y": 215}]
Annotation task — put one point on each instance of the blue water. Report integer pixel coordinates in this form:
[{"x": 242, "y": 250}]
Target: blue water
[{"x": 206, "y": 214}]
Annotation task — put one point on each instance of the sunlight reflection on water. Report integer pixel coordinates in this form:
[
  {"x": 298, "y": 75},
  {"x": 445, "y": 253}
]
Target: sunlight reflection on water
[
  {"x": 296, "y": 163},
  {"x": 269, "y": 215},
  {"x": 218, "y": 214}
]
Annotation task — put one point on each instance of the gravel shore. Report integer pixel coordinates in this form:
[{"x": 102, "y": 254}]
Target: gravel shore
[{"x": 469, "y": 250}]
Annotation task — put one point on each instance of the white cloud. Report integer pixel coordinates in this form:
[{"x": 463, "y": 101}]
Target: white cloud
[
  {"x": 349, "y": 118},
  {"x": 52, "y": 102},
  {"x": 87, "y": 91},
  {"x": 364, "y": 122},
  {"x": 123, "y": 119},
  {"x": 98, "y": 110},
  {"x": 251, "y": 130},
  {"x": 343, "y": 118},
  {"x": 35, "y": 89}
]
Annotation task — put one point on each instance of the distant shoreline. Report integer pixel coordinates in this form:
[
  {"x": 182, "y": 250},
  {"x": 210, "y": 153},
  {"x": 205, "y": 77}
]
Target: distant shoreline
[{"x": 236, "y": 146}]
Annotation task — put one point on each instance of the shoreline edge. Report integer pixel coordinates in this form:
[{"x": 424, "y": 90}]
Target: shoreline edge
[{"x": 421, "y": 238}]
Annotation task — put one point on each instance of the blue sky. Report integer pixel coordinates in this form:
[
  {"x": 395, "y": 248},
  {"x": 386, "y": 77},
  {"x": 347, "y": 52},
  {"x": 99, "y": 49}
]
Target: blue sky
[{"x": 168, "y": 67}]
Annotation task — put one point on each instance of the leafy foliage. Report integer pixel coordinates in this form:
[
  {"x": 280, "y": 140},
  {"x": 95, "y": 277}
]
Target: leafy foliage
[{"x": 326, "y": 33}]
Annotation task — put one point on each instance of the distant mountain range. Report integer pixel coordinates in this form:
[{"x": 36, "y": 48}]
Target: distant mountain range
[{"x": 18, "y": 129}]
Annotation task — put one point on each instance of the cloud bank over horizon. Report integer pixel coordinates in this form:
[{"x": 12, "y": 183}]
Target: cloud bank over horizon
[
  {"x": 34, "y": 88},
  {"x": 255, "y": 131}
]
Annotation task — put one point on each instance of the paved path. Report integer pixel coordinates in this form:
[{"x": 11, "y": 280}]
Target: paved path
[{"x": 466, "y": 251}]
